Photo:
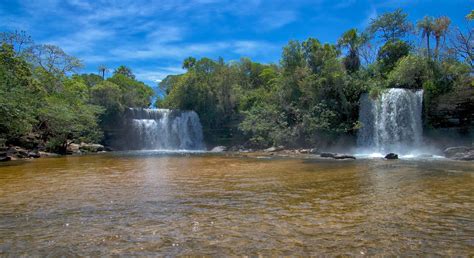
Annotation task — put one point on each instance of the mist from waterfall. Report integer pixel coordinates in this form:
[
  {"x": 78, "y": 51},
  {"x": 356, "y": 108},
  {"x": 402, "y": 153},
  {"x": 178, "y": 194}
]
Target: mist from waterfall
[
  {"x": 392, "y": 122},
  {"x": 164, "y": 129}
]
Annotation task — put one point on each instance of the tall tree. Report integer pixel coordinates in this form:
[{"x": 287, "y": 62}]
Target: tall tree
[
  {"x": 391, "y": 25},
  {"x": 125, "y": 71},
  {"x": 352, "y": 41},
  {"x": 53, "y": 59},
  {"x": 102, "y": 70},
  {"x": 425, "y": 26},
  {"x": 19, "y": 40},
  {"x": 440, "y": 28}
]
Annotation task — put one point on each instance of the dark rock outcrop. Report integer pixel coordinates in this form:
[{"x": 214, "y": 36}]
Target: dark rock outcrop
[
  {"x": 391, "y": 156},
  {"x": 452, "y": 110}
]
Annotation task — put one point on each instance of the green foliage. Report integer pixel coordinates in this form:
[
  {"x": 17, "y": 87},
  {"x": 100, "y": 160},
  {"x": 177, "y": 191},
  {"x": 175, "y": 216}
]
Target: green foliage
[
  {"x": 134, "y": 93},
  {"x": 125, "y": 71},
  {"x": 67, "y": 116},
  {"x": 17, "y": 95},
  {"x": 90, "y": 79},
  {"x": 410, "y": 72},
  {"x": 391, "y": 25},
  {"x": 390, "y": 53},
  {"x": 352, "y": 41}
]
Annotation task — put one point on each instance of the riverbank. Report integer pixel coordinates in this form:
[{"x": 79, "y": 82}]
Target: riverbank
[{"x": 12, "y": 153}]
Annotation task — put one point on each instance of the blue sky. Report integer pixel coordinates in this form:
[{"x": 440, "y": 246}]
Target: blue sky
[{"x": 153, "y": 37}]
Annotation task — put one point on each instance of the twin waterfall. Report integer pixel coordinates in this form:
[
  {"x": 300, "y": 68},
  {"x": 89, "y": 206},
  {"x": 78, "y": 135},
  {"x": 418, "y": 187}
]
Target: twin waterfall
[
  {"x": 392, "y": 122},
  {"x": 164, "y": 129}
]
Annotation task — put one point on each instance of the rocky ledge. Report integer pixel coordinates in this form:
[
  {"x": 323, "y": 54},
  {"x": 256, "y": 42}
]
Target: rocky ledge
[
  {"x": 460, "y": 153},
  {"x": 16, "y": 152}
]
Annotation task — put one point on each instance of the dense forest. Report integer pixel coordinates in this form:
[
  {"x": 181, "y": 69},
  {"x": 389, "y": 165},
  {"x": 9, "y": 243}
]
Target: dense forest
[{"x": 310, "y": 97}]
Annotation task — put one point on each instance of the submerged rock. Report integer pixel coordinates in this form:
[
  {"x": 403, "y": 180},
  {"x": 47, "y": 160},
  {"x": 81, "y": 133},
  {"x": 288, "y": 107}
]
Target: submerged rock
[
  {"x": 219, "y": 149},
  {"x": 391, "y": 156}
]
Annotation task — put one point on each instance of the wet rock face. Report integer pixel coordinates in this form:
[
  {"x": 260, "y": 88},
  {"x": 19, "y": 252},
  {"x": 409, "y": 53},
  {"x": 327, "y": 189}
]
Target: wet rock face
[
  {"x": 452, "y": 110},
  {"x": 460, "y": 153}
]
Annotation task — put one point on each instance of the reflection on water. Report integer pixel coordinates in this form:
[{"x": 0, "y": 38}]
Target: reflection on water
[{"x": 204, "y": 204}]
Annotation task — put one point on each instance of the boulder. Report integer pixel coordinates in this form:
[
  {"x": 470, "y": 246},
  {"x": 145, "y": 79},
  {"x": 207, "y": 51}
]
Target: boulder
[
  {"x": 34, "y": 154},
  {"x": 2, "y": 159},
  {"x": 344, "y": 156},
  {"x": 219, "y": 149},
  {"x": 460, "y": 153},
  {"x": 454, "y": 151},
  {"x": 391, "y": 156},
  {"x": 91, "y": 147},
  {"x": 73, "y": 148},
  {"x": 468, "y": 156},
  {"x": 274, "y": 149},
  {"x": 327, "y": 155}
]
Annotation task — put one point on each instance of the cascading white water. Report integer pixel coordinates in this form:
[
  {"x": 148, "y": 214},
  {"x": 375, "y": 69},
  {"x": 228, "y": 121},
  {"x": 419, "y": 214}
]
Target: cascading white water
[
  {"x": 392, "y": 122},
  {"x": 165, "y": 129}
]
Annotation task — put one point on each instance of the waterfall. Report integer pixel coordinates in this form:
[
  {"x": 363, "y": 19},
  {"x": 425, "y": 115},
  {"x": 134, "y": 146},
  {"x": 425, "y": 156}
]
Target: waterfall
[
  {"x": 164, "y": 129},
  {"x": 392, "y": 122}
]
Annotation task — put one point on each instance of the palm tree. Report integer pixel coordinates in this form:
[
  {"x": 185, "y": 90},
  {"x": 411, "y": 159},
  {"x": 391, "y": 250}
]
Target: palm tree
[
  {"x": 352, "y": 40},
  {"x": 440, "y": 28},
  {"x": 426, "y": 28},
  {"x": 102, "y": 70}
]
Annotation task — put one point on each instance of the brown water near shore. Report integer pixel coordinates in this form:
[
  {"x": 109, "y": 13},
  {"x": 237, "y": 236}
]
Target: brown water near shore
[{"x": 149, "y": 204}]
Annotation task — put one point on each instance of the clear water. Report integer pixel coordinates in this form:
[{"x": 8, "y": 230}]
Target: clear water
[{"x": 157, "y": 203}]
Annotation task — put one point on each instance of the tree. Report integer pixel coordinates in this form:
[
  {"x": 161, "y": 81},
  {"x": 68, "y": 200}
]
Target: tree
[
  {"x": 189, "y": 63},
  {"x": 67, "y": 117},
  {"x": 410, "y": 72},
  {"x": 463, "y": 42},
  {"x": 391, "y": 25},
  {"x": 19, "y": 95},
  {"x": 53, "y": 59},
  {"x": 352, "y": 41},
  {"x": 125, "y": 71},
  {"x": 426, "y": 26},
  {"x": 102, "y": 70},
  {"x": 19, "y": 40},
  {"x": 390, "y": 53},
  {"x": 134, "y": 93},
  {"x": 440, "y": 28}
]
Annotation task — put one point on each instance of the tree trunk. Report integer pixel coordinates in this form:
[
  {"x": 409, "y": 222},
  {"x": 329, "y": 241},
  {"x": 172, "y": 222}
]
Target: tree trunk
[
  {"x": 428, "y": 46},
  {"x": 437, "y": 48}
]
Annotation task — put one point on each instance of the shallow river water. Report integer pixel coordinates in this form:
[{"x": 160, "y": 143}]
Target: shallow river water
[{"x": 183, "y": 204}]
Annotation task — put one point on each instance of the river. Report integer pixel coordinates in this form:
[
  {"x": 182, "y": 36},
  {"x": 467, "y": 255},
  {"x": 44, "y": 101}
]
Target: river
[{"x": 143, "y": 203}]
